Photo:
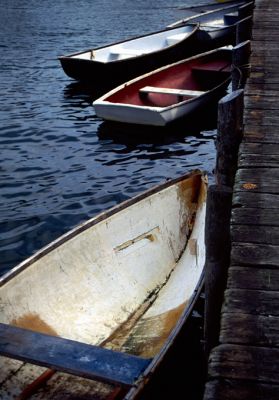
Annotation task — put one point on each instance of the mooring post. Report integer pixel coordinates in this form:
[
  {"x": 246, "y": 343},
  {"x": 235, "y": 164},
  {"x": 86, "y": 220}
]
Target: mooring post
[
  {"x": 244, "y": 29},
  {"x": 240, "y": 64},
  {"x": 218, "y": 245},
  {"x": 218, "y": 212},
  {"x": 246, "y": 10},
  {"x": 229, "y": 136}
]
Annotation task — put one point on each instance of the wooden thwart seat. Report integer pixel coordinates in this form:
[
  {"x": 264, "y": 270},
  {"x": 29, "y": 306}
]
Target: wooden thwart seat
[
  {"x": 69, "y": 356},
  {"x": 177, "y": 92},
  {"x": 212, "y": 68}
]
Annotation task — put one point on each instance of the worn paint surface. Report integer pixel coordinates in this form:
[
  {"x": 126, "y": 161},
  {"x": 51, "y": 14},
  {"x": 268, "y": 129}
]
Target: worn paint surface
[
  {"x": 122, "y": 283},
  {"x": 34, "y": 323}
]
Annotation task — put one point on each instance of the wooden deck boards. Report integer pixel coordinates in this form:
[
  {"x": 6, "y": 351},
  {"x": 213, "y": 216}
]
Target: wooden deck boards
[{"x": 245, "y": 365}]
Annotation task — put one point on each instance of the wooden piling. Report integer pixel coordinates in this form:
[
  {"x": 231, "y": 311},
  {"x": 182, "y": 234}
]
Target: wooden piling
[
  {"x": 217, "y": 242},
  {"x": 246, "y": 10},
  {"x": 241, "y": 64},
  {"x": 229, "y": 137},
  {"x": 244, "y": 29}
]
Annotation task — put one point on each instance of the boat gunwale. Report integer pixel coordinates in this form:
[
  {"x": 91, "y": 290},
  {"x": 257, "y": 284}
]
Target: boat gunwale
[
  {"x": 184, "y": 21},
  {"x": 94, "y": 221},
  {"x": 167, "y": 108},
  {"x": 71, "y": 56}
]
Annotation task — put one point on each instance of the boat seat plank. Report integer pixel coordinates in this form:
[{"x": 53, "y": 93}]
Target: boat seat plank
[
  {"x": 211, "y": 68},
  {"x": 213, "y": 26},
  {"x": 176, "y": 92},
  {"x": 69, "y": 356}
]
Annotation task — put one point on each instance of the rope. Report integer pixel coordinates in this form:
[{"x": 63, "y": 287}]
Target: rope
[{"x": 240, "y": 69}]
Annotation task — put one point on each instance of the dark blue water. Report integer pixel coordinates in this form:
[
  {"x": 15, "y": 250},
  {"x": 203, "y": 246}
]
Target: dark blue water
[{"x": 59, "y": 163}]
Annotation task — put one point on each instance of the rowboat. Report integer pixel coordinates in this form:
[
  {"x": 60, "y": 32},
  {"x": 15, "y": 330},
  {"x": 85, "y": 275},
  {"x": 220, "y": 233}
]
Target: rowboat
[
  {"x": 218, "y": 26},
  {"x": 95, "y": 312},
  {"x": 108, "y": 66},
  {"x": 169, "y": 93}
]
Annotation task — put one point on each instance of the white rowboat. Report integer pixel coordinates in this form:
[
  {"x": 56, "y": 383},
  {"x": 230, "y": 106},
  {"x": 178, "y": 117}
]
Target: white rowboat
[
  {"x": 94, "y": 313},
  {"x": 170, "y": 93}
]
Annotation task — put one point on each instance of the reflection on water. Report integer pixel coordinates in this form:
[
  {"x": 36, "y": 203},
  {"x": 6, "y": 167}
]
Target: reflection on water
[{"x": 59, "y": 163}]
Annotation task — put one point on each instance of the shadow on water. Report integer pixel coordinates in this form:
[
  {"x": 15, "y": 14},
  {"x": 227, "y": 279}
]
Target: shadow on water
[{"x": 82, "y": 90}]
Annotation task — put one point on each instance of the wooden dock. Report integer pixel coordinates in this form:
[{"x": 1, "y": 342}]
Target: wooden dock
[{"x": 245, "y": 365}]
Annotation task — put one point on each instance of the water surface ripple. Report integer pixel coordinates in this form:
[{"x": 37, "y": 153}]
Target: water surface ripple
[{"x": 59, "y": 163}]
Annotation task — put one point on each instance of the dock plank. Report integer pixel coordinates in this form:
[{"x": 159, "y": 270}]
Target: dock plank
[
  {"x": 267, "y": 149},
  {"x": 265, "y": 255},
  {"x": 242, "y": 362},
  {"x": 263, "y": 135},
  {"x": 247, "y": 329},
  {"x": 253, "y": 216},
  {"x": 229, "y": 389},
  {"x": 251, "y": 301},
  {"x": 258, "y": 160},
  {"x": 246, "y": 363},
  {"x": 240, "y": 277},
  {"x": 263, "y": 201}
]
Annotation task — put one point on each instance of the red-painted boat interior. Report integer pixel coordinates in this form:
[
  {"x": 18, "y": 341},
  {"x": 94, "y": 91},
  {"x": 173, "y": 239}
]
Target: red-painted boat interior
[{"x": 202, "y": 74}]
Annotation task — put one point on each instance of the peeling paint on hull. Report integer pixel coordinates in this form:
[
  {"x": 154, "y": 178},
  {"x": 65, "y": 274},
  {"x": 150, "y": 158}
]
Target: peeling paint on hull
[{"x": 123, "y": 280}]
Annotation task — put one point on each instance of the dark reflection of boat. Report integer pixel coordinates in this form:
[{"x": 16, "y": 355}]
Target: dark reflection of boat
[{"x": 82, "y": 90}]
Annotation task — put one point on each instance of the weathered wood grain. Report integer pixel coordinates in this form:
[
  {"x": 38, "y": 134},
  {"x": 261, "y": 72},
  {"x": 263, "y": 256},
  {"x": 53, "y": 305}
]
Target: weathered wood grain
[
  {"x": 254, "y": 224},
  {"x": 257, "y": 180},
  {"x": 240, "y": 277},
  {"x": 263, "y": 117},
  {"x": 229, "y": 136},
  {"x": 264, "y": 255},
  {"x": 251, "y": 90},
  {"x": 261, "y": 102},
  {"x": 11, "y": 367},
  {"x": 267, "y": 87},
  {"x": 264, "y": 201},
  {"x": 249, "y": 301},
  {"x": 259, "y": 148},
  {"x": 255, "y": 330},
  {"x": 260, "y": 134},
  {"x": 229, "y": 389},
  {"x": 258, "y": 160},
  {"x": 245, "y": 363},
  {"x": 218, "y": 208}
]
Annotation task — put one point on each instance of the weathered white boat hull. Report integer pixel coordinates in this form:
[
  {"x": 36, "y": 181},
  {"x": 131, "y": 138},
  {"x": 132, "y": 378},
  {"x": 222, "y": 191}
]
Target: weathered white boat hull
[{"x": 121, "y": 280}]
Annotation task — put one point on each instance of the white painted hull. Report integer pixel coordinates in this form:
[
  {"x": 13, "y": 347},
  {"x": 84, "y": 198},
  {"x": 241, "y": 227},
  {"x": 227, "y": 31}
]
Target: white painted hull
[
  {"x": 153, "y": 115},
  {"x": 133, "y": 270}
]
